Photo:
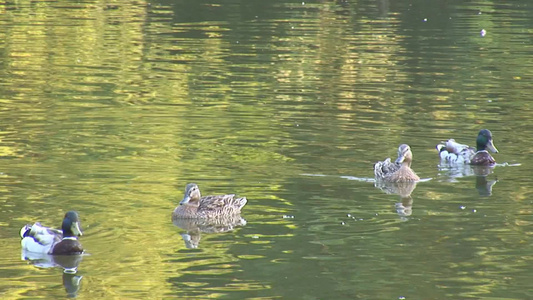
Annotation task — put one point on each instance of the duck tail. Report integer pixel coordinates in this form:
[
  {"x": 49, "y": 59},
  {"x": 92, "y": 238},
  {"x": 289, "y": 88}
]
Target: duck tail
[
  {"x": 25, "y": 231},
  {"x": 378, "y": 171},
  {"x": 240, "y": 202},
  {"x": 384, "y": 168}
]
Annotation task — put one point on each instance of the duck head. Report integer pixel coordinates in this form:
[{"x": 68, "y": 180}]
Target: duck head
[
  {"x": 192, "y": 194},
  {"x": 405, "y": 156},
  {"x": 71, "y": 224},
  {"x": 484, "y": 141}
]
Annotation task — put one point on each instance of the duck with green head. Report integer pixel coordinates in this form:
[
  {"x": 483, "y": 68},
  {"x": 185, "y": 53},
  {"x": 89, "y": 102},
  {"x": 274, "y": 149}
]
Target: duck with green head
[
  {"x": 453, "y": 153},
  {"x": 40, "y": 239},
  {"x": 398, "y": 171},
  {"x": 194, "y": 206}
]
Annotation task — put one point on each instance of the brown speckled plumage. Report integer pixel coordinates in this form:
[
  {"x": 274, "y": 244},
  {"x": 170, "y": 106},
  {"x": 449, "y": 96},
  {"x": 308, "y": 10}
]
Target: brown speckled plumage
[
  {"x": 482, "y": 158},
  {"x": 400, "y": 170},
  {"x": 193, "y": 206}
]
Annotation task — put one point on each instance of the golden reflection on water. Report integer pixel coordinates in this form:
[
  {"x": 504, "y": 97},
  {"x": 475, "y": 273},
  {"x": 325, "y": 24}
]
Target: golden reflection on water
[{"x": 110, "y": 108}]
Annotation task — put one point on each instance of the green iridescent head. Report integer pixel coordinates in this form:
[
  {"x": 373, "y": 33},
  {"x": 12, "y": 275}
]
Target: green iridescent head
[{"x": 484, "y": 141}]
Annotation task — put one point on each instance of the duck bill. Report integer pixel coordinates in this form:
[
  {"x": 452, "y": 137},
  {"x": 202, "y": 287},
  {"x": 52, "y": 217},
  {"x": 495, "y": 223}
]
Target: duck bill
[
  {"x": 491, "y": 147},
  {"x": 400, "y": 159},
  {"x": 76, "y": 229},
  {"x": 185, "y": 200}
]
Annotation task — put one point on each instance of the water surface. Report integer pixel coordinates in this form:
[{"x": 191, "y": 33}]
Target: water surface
[{"x": 110, "y": 109}]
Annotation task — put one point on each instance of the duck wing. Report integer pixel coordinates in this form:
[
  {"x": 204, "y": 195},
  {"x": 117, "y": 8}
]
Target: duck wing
[
  {"x": 453, "y": 147},
  {"x": 384, "y": 168},
  {"x": 39, "y": 239},
  {"x": 452, "y": 152},
  {"x": 226, "y": 204},
  {"x": 45, "y": 235}
]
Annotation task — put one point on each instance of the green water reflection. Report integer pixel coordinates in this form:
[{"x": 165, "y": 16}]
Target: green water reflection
[{"x": 110, "y": 108}]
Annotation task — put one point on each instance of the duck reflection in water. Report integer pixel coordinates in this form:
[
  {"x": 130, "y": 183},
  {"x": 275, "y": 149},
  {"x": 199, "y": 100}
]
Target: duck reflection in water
[
  {"x": 404, "y": 208},
  {"x": 195, "y": 227},
  {"x": 483, "y": 184},
  {"x": 69, "y": 263}
]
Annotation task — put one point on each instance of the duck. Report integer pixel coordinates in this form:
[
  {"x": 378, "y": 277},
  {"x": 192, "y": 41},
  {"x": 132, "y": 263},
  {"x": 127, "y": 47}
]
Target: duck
[
  {"x": 398, "y": 171},
  {"x": 40, "y": 239},
  {"x": 194, "y": 206},
  {"x": 453, "y": 153}
]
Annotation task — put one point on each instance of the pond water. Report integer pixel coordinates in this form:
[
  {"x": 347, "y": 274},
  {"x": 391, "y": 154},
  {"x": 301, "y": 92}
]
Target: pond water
[{"x": 111, "y": 108}]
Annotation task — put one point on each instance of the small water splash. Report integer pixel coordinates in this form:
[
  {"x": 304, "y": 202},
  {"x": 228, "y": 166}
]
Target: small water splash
[
  {"x": 361, "y": 179},
  {"x": 506, "y": 164},
  {"x": 314, "y": 175},
  {"x": 355, "y": 178}
]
